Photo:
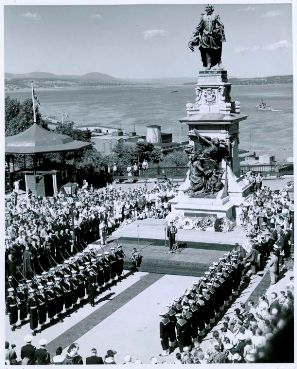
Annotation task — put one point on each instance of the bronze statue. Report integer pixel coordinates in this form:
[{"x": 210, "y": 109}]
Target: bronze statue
[
  {"x": 209, "y": 36},
  {"x": 205, "y": 157}
]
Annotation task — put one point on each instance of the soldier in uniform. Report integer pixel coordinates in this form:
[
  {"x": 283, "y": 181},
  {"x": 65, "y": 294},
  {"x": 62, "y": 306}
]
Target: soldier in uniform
[
  {"x": 165, "y": 328},
  {"x": 50, "y": 302},
  {"x": 42, "y": 307},
  {"x": 74, "y": 283},
  {"x": 67, "y": 291},
  {"x": 32, "y": 307},
  {"x": 92, "y": 287},
  {"x": 106, "y": 268},
  {"x": 12, "y": 308},
  {"x": 59, "y": 298},
  {"x": 22, "y": 297},
  {"x": 183, "y": 333},
  {"x": 81, "y": 285}
]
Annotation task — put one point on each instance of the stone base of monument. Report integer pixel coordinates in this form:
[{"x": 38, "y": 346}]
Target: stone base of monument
[{"x": 224, "y": 204}]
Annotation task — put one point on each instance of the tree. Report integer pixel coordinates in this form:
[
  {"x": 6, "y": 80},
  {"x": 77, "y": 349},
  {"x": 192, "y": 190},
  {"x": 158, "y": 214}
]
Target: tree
[
  {"x": 66, "y": 128},
  {"x": 175, "y": 159},
  {"x": 19, "y": 116}
]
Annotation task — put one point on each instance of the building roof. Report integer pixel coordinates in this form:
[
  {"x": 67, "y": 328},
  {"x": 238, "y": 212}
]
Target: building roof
[{"x": 39, "y": 140}]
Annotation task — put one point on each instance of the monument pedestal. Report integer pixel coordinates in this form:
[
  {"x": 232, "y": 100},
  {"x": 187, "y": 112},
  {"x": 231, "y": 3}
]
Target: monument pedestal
[{"x": 215, "y": 116}]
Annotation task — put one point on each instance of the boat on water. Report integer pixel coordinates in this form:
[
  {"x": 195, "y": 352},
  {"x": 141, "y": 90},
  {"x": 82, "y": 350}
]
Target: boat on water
[{"x": 263, "y": 106}]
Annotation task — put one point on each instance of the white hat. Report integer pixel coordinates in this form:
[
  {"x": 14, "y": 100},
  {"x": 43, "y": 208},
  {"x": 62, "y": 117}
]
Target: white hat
[
  {"x": 28, "y": 339},
  {"x": 42, "y": 342}
]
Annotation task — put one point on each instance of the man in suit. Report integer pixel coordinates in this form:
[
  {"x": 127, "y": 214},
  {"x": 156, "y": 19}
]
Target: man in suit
[
  {"x": 273, "y": 267},
  {"x": 94, "y": 359},
  {"x": 171, "y": 232}
]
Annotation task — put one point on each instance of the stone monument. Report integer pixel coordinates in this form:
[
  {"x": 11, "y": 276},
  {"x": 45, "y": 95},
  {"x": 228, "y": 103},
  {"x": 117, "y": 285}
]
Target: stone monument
[{"x": 213, "y": 186}]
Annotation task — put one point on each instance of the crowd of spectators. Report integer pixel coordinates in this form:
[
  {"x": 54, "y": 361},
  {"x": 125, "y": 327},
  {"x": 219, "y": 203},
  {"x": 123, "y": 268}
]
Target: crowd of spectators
[{"x": 42, "y": 232}]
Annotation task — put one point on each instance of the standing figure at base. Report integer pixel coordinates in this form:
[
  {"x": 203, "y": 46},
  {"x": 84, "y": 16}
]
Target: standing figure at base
[{"x": 171, "y": 232}]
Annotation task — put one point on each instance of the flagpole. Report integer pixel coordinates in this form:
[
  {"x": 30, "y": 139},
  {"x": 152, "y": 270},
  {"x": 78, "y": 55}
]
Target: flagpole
[{"x": 33, "y": 101}]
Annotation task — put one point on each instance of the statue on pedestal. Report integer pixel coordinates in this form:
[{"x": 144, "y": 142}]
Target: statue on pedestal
[
  {"x": 205, "y": 157},
  {"x": 209, "y": 36}
]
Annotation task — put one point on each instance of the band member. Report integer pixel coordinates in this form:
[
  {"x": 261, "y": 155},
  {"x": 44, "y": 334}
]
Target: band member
[
  {"x": 171, "y": 232},
  {"x": 12, "y": 308}
]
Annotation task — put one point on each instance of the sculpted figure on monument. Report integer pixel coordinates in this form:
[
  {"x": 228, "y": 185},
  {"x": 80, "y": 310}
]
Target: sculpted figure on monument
[
  {"x": 205, "y": 157},
  {"x": 209, "y": 36}
]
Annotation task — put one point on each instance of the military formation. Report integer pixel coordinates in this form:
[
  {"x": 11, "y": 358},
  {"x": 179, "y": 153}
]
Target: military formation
[
  {"x": 47, "y": 298},
  {"x": 190, "y": 317}
]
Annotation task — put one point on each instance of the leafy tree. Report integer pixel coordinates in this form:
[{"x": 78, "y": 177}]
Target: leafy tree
[
  {"x": 177, "y": 158},
  {"x": 77, "y": 134},
  {"x": 19, "y": 116}
]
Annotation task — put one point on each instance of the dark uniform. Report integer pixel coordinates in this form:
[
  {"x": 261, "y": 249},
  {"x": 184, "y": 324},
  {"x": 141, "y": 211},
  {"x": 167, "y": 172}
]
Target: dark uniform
[
  {"x": 50, "y": 301},
  {"x": 165, "y": 332},
  {"x": 183, "y": 333},
  {"x": 42, "y": 306},
  {"x": 12, "y": 308},
  {"x": 120, "y": 255},
  {"x": 21, "y": 295},
  {"x": 32, "y": 307},
  {"x": 113, "y": 264},
  {"x": 59, "y": 297},
  {"x": 92, "y": 288},
  {"x": 67, "y": 292}
]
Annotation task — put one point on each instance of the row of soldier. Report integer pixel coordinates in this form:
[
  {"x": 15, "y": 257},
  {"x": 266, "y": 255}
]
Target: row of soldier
[
  {"x": 47, "y": 298},
  {"x": 191, "y": 316}
]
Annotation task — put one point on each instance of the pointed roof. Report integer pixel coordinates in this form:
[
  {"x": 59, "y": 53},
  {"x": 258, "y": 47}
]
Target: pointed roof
[{"x": 39, "y": 140}]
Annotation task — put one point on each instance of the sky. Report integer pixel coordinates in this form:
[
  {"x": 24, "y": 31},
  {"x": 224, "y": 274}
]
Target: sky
[{"x": 144, "y": 41}]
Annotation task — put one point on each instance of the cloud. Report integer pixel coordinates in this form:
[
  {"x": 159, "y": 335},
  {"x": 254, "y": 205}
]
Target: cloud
[
  {"x": 244, "y": 49},
  {"x": 96, "y": 16},
  {"x": 272, "y": 13},
  {"x": 249, "y": 8},
  {"x": 30, "y": 15},
  {"x": 283, "y": 44},
  {"x": 151, "y": 33}
]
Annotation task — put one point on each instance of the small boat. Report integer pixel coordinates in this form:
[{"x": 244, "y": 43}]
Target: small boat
[
  {"x": 263, "y": 106},
  {"x": 174, "y": 91}
]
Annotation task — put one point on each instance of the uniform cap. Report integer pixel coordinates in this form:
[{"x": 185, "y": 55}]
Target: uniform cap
[
  {"x": 215, "y": 263},
  {"x": 49, "y": 283},
  {"x": 31, "y": 290},
  {"x": 42, "y": 342},
  {"x": 10, "y": 289},
  {"x": 112, "y": 248},
  {"x": 99, "y": 255},
  {"x": 119, "y": 246},
  {"x": 66, "y": 261},
  {"x": 44, "y": 273},
  {"x": 40, "y": 287},
  {"x": 28, "y": 339},
  {"x": 73, "y": 271},
  {"x": 93, "y": 260},
  {"x": 162, "y": 313},
  {"x": 81, "y": 268},
  {"x": 28, "y": 281},
  {"x": 66, "y": 275}
]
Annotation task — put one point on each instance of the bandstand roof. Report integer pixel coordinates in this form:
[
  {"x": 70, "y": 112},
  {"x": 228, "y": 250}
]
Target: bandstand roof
[{"x": 36, "y": 140}]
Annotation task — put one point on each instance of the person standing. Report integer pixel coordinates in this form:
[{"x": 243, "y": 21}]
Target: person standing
[
  {"x": 41, "y": 355},
  {"x": 273, "y": 267},
  {"x": 171, "y": 234},
  {"x": 94, "y": 359},
  {"x": 164, "y": 333},
  {"x": 28, "y": 351}
]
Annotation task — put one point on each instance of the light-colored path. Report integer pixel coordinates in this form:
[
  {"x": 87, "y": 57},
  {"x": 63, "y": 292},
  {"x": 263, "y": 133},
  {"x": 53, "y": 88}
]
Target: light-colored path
[
  {"x": 134, "y": 328},
  {"x": 17, "y": 337}
]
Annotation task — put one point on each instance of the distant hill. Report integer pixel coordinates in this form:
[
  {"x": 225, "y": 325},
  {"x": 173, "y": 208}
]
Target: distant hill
[
  {"x": 257, "y": 80},
  {"x": 43, "y": 75},
  {"x": 50, "y": 80}
]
